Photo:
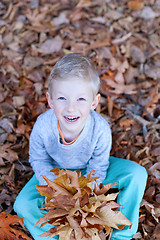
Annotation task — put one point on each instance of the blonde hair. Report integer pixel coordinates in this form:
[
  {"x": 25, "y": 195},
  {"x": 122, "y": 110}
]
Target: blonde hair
[{"x": 74, "y": 65}]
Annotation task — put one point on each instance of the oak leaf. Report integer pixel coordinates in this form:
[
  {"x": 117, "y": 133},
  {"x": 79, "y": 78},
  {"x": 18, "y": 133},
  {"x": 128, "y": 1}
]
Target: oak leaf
[
  {"x": 8, "y": 154},
  {"x": 7, "y": 230}
]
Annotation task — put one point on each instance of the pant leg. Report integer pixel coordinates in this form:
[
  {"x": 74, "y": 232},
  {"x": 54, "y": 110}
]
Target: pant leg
[
  {"x": 131, "y": 179},
  {"x": 28, "y": 205}
]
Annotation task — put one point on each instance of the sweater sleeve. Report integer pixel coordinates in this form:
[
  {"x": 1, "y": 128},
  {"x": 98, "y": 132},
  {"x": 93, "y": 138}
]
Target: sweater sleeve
[
  {"x": 99, "y": 160},
  {"x": 39, "y": 159}
]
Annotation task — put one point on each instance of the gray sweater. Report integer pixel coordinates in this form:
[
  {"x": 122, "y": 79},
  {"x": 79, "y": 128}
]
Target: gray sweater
[{"x": 91, "y": 149}]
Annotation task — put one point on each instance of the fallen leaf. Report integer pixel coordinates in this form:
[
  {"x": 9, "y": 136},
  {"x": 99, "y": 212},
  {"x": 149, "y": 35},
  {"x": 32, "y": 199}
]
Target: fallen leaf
[
  {"x": 61, "y": 19},
  {"x": 18, "y": 101},
  {"x": 7, "y": 230},
  {"x": 137, "y": 54},
  {"x": 127, "y": 124},
  {"x": 84, "y": 3},
  {"x": 148, "y": 13},
  {"x": 7, "y": 154},
  {"x": 35, "y": 17},
  {"x": 120, "y": 88},
  {"x": 152, "y": 71},
  {"x": 136, "y": 5},
  {"x": 31, "y": 62},
  {"x": 50, "y": 45}
]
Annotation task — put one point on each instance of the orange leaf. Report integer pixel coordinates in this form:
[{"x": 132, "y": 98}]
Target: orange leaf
[
  {"x": 7, "y": 230},
  {"x": 136, "y": 5},
  {"x": 127, "y": 124}
]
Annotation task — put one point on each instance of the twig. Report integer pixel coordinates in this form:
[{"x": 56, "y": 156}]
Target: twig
[
  {"x": 9, "y": 114},
  {"x": 122, "y": 39},
  {"x": 139, "y": 119},
  {"x": 137, "y": 104}
]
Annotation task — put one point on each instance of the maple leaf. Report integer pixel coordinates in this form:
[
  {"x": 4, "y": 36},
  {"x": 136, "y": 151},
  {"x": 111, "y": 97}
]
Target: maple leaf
[
  {"x": 77, "y": 211},
  {"x": 7, "y": 230},
  {"x": 115, "y": 81},
  {"x": 35, "y": 17}
]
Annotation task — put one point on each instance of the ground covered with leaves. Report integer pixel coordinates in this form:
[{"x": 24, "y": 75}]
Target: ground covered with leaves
[{"x": 122, "y": 39}]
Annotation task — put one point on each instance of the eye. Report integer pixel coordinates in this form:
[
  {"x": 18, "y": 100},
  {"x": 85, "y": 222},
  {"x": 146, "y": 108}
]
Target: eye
[
  {"x": 61, "y": 98},
  {"x": 81, "y": 99}
]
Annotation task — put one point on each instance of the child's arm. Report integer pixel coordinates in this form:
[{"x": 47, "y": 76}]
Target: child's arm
[
  {"x": 100, "y": 157},
  {"x": 39, "y": 159}
]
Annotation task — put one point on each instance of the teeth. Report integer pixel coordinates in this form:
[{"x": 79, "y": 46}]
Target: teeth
[{"x": 71, "y": 118}]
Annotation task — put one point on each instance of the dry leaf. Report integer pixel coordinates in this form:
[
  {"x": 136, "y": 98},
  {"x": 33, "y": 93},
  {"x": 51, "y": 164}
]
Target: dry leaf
[
  {"x": 18, "y": 101},
  {"x": 84, "y": 3},
  {"x": 137, "y": 54},
  {"x": 7, "y": 154},
  {"x": 50, "y": 45},
  {"x": 62, "y": 18},
  {"x": 7, "y": 231},
  {"x": 148, "y": 13},
  {"x": 136, "y": 5},
  {"x": 32, "y": 62},
  {"x": 78, "y": 211}
]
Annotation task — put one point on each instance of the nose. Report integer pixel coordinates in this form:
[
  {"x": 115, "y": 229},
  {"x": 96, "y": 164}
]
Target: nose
[{"x": 71, "y": 107}]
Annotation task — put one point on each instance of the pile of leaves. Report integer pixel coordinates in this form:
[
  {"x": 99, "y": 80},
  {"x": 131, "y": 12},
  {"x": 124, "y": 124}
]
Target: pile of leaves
[{"x": 76, "y": 211}]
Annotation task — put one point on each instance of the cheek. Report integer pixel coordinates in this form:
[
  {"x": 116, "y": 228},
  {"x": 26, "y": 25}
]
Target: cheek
[
  {"x": 85, "y": 109},
  {"x": 58, "y": 108}
]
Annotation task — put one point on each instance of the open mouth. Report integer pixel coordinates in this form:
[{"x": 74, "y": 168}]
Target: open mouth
[{"x": 71, "y": 119}]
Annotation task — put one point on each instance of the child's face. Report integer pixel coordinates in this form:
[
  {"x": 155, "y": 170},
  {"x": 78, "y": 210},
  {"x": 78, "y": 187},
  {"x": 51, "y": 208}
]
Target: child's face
[{"x": 72, "y": 101}]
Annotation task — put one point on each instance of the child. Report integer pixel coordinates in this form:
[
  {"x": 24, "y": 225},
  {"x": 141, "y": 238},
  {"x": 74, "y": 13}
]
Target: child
[{"x": 71, "y": 135}]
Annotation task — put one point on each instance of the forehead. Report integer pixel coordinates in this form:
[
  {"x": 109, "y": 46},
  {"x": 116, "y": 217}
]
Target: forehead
[{"x": 72, "y": 84}]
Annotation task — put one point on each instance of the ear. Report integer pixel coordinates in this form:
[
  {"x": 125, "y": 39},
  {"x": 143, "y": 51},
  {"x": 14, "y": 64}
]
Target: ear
[
  {"x": 49, "y": 100},
  {"x": 95, "y": 101}
]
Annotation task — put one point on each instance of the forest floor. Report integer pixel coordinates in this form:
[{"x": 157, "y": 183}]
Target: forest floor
[{"x": 123, "y": 39}]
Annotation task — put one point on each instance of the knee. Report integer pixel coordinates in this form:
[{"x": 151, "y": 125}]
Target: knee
[{"x": 138, "y": 174}]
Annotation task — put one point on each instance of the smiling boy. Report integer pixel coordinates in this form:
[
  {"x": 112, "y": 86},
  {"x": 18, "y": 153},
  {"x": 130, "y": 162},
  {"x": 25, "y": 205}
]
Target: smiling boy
[{"x": 71, "y": 135}]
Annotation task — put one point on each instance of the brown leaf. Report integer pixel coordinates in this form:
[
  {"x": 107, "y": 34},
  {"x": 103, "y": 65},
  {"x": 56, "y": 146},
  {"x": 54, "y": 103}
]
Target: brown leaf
[
  {"x": 31, "y": 62},
  {"x": 7, "y": 154},
  {"x": 35, "y": 17},
  {"x": 137, "y": 54},
  {"x": 18, "y": 101},
  {"x": 101, "y": 189},
  {"x": 156, "y": 232},
  {"x": 57, "y": 188},
  {"x": 136, "y": 5},
  {"x": 112, "y": 218},
  {"x": 121, "y": 88},
  {"x": 7, "y": 231},
  {"x": 50, "y": 45},
  {"x": 84, "y": 3}
]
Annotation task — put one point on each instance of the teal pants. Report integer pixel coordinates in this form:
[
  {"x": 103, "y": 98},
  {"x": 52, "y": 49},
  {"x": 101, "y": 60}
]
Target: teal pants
[{"x": 131, "y": 179}]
